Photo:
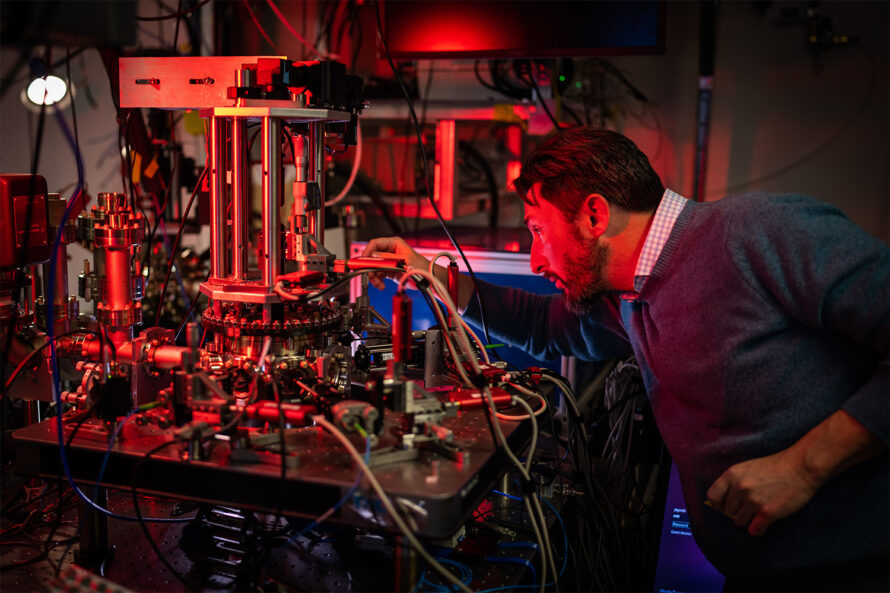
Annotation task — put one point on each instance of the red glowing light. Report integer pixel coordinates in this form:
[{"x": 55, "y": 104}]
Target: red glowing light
[
  {"x": 443, "y": 182},
  {"x": 447, "y": 28},
  {"x": 514, "y": 145},
  {"x": 513, "y": 170}
]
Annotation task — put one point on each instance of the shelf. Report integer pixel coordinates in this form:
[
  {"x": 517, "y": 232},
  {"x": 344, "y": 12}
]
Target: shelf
[{"x": 439, "y": 110}]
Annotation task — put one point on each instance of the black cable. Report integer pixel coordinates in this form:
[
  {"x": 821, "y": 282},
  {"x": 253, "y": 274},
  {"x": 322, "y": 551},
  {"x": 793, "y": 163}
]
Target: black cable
[
  {"x": 555, "y": 439},
  {"x": 489, "y": 180},
  {"x": 326, "y": 23},
  {"x": 256, "y": 22},
  {"x": 188, "y": 314},
  {"x": 364, "y": 184},
  {"x": 176, "y": 15},
  {"x": 175, "y": 247},
  {"x": 134, "y": 204},
  {"x": 283, "y": 452},
  {"x": 614, "y": 71},
  {"x": 161, "y": 215},
  {"x": 359, "y": 38},
  {"x": 346, "y": 277},
  {"x": 138, "y": 511},
  {"x": 604, "y": 517},
  {"x": 9, "y": 509},
  {"x": 83, "y": 418},
  {"x": 142, "y": 522},
  {"x": 497, "y": 79},
  {"x": 41, "y": 556},
  {"x": 501, "y": 85},
  {"x": 481, "y": 80},
  {"x": 285, "y": 130},
  {"x": 250, "y": 141},
  {"x": 341, "y": 32},
  {"x": 8, "y": 81},
  {"x": 426, "y": 170},
  {"x": 140, "y": 519},
  {"x": 572, "y": 113},
  {"x": 128, "y": 179},
  {"x": 80, "y": 423},
  {"x": 534, "y": 86},
  {"x": 305, "y": 14},
  {"x": 176, "y": 30},
  {"x": 426, "y": 94},
  {"x": 71, "y": 91},
  {"x": 120, "y": 150},
  {"x": 423, "y": 107}
]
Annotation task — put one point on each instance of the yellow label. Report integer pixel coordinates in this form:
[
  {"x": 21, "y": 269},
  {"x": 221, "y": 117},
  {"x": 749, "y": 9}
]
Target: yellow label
[
  {"x": 136, "y": 171},
  {"x": 193, "y": 123},
  {"x": 507, "y": 114},
  {"x": 152, "y": 167}
]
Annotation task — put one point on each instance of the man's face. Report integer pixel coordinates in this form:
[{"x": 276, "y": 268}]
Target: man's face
[{"x": 575, "y": 263}]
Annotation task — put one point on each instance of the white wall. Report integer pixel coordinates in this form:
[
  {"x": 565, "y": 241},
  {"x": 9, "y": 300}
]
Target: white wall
[{"x": 779, "y": 123}]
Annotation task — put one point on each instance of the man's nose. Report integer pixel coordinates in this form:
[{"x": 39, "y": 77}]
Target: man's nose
[{"x": 537, "y": 261}]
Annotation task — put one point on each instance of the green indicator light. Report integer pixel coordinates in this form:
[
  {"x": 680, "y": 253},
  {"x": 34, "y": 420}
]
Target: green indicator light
[
  {"x": 577, "y": 85},
  {"x": 562, "y": 78}
]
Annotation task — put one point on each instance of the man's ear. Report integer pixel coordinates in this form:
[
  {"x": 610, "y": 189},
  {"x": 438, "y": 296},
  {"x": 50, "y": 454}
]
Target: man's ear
[{"x": 595, "y": 212}]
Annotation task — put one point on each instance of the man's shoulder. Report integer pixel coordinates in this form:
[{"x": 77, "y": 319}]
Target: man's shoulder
[
  {"x": 761, "y": 223},
  {"x": 752, "y": 202},
  {"x": 764, "y": 210}
]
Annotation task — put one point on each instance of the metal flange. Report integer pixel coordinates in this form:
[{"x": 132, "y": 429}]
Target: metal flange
[{"x": 132, "y": 315}]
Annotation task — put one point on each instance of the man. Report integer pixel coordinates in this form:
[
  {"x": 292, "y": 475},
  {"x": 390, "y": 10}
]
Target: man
[{"x": 761, "y": 326}]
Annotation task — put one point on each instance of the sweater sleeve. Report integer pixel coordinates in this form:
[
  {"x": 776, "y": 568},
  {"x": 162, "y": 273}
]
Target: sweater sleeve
[
  {"x": 543, "y": 327},
  {"x": 828, "y": 274}
]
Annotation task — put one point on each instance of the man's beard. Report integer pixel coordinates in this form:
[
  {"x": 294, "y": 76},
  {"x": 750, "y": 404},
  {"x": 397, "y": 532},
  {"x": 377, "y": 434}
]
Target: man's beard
[{"x": 585, "y": 278}]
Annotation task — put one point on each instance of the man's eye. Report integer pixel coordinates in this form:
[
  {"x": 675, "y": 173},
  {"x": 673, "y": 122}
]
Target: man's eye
[{"x": 536, "y": 230}]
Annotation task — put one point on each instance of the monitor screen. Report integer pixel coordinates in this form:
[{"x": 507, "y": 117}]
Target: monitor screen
[
  {"x": 681, "y": 565},
  {"x": 422, "y": 29}
]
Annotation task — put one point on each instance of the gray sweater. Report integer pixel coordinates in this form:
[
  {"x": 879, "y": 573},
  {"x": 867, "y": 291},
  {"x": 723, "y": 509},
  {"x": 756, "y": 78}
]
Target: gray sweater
[{"x": 764, "y": 314}]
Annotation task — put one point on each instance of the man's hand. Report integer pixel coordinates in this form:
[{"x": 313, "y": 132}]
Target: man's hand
[
  {"x": 396, "y": 246},
  {"x": 757, "y": 492}
]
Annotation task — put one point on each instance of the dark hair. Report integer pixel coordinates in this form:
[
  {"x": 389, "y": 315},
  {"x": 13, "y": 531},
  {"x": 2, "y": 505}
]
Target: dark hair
[{"x": 583, "y": 160}]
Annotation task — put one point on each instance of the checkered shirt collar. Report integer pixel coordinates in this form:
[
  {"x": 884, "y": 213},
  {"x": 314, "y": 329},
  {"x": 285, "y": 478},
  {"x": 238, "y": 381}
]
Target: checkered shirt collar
[{"x": 662, "y": 223}]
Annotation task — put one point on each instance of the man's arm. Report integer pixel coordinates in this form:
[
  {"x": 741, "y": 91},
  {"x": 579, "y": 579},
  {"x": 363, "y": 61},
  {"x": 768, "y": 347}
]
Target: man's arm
[
  {"x": 757, "y": 492},
  {"x": 398, "y": 247},
  {"x": 539, "y": 325},
  {"x": 827, "y": 274}
]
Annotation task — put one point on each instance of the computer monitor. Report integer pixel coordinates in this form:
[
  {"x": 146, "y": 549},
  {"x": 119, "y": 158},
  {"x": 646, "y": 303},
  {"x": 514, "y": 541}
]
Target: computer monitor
[
  {"x": 425, "y": 29},
  {"x": 681, "y": 566}
]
